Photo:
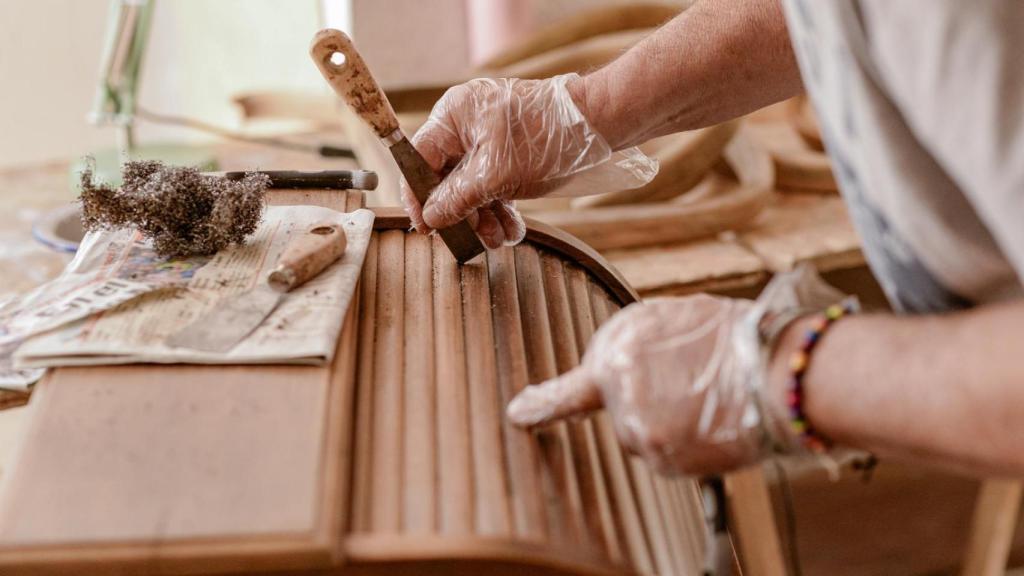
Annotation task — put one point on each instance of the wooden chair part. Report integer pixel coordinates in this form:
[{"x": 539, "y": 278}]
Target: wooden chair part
[
  {"x": 395, "y": 459},
  {"x": 614, "y": 227},
  {"x": 582, "y": 26},
  {"x": 995, "y": 519},
  {"x": 577, "y": 57},
  {"x": 788, "y": 131},
  {"x": 683, "y": 160},
  {"x": 752, "y": 523}
]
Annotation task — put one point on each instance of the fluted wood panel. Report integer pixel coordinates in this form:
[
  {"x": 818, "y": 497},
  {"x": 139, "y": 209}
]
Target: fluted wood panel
[{"x": 443, "y": 349}]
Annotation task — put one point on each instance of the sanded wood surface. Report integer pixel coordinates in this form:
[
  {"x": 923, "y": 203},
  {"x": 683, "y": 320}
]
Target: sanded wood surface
[
  {"x": 683, "y": 160},
  {"x": 996, "y": 515},
  {"x": 790, "y": 133},
  {"x": 731, "y": 202},
  {"x": 397, "y": 458},
  {"x": 184, "y": 468},
  {"x": 468, "y": 482},
  {"x": 753, "y": 525}
]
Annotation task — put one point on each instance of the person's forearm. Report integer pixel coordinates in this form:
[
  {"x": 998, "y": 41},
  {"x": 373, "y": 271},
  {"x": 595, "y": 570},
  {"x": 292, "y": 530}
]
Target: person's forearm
[
  {"x": 716, "y": 61},
  {"x": 945, "y": 390}
]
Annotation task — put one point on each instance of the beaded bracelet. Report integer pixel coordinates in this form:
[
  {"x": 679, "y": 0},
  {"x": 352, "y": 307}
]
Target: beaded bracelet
[{"x": 799, "y": 362}]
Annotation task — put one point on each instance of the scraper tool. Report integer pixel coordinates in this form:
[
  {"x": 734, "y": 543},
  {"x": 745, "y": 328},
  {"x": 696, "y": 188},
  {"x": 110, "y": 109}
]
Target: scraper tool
[{"x": 346, "y": 72}]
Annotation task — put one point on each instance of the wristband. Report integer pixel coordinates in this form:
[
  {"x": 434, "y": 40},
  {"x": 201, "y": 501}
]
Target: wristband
[{"x": 798, "y": 365}]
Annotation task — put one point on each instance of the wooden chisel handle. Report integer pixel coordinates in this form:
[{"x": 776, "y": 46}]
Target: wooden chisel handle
[
  {"x": 307, "y": 254},
  {"x": 346, "y": 72}
]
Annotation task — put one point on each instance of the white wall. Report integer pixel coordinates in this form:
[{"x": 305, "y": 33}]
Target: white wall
[{"x": 201, "y": 52}]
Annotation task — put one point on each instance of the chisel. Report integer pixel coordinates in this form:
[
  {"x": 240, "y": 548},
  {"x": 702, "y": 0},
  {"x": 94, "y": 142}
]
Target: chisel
[
  {"x": 325, "y": 179},
  {"x": 346, "y": 72}
]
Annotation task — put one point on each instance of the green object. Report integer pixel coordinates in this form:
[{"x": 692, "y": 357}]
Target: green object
[
  {"x": 108, "y": 161},
  {"x": 128, "y": 27}
]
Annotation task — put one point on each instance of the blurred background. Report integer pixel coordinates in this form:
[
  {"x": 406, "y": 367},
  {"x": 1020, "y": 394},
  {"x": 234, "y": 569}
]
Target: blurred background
[{"x": 201, "y": 53}]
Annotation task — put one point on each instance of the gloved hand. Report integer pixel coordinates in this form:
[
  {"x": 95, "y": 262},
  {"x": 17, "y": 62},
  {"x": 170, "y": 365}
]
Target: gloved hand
[
  {"x": 668, "y": 372},
  {"x": 499, "y": 140}
]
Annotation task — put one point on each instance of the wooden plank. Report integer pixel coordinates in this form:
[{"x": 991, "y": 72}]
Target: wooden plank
[
  {"x": 181, "y": 467},
  {"x": 388, "y": 411},
  {"x": 805, "y": 228},
  {"x": 455, "y": 469},
  {"x": 487, "y": 421},
  {"x": 528, "y": 510},
  {"x": 585, "y": 463},
  {"x": 617, "y": 473},
  {"x": 419, "y": 425},
  {"x": 753, "y": 523},
  {"x": 689, "y": 268},
  {"x": 995, "y": 519},
  {"x": 362, "y": 480},
  {"x": 643, "y": 492},
  {"x": 557, "y": 473},
  {"x": 583, "y": 322}
]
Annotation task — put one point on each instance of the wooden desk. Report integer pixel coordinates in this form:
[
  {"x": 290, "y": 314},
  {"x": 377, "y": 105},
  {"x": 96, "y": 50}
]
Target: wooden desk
[{"x": 394, "y": 458}]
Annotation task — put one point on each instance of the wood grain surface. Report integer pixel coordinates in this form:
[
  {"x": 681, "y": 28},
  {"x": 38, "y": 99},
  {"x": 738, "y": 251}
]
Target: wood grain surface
[
  {"x": 184, "y": 468},
  {"x": 396, "y": 458}
]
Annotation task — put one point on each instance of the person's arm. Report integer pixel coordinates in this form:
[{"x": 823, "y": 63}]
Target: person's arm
[
  {"x": 499, "y": 140},
  {"x": 718, "y": 60},
  {"x": 947, "y": 391},
  {"x": 943, "y": 390}
]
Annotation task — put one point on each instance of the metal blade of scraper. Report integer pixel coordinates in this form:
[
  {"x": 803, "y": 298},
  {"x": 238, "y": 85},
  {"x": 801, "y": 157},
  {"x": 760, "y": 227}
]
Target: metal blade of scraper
[
  {"x": 347, "y": 73},
  {"x": 307, "y": 254}
]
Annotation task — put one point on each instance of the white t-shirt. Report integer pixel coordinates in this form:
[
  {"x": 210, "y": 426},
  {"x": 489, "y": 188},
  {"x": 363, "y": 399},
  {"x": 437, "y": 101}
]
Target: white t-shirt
[{"x": 921, "y": 104}]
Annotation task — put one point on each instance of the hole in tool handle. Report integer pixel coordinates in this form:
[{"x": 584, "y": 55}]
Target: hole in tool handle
[{"x": 338, "y": 59}]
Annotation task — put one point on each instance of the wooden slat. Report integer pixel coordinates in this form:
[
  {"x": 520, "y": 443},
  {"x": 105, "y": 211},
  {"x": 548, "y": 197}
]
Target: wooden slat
[
  {"x": 486, "y": 414},
  {"x": 995, "y": 518},
  {"x": 523, "y": 460},
  {"x": 557, "y": 473},
  {"x": 752, "y": 523},
  {"x": 388, "y": 378},
  {"x": 419, "y": 422},
  {"x": 578, "y": 287},
  {"x": 585, "y": 463},
  {"x": 455, "y": 468},
  {"x": 362, "y": 479},
  {"x": 618, "y": 476}
]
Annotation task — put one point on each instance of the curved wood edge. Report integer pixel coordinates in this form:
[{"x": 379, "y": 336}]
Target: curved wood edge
[
  {"x": 577, "y": 57},
  {"x": 547, "y": 236},
  {"x": 632, "y": 226},
  {"x": 13, "y": 398},
  {"x": 414, "y": 549},
  {"x": 800, "y": 164},
  {"x": 804, "y": 170},
  {"x": 585, "y": 25},
  {"x": 806, "y": 123},
  {"x": 683, "y": 160}
]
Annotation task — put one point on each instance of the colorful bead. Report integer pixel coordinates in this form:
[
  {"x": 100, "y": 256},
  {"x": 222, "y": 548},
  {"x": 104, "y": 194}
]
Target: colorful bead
[{"x": 798, "y": 367}]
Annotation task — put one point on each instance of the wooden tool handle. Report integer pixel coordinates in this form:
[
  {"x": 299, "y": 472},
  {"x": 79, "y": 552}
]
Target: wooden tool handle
[
  {"x": 306, "y": 255},
  {"x": 346, "y": 72}
]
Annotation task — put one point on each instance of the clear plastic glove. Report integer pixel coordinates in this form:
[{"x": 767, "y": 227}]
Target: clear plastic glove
[
  {"x": 499, "y": 140},
  {"x": 667, "y": 372}
]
